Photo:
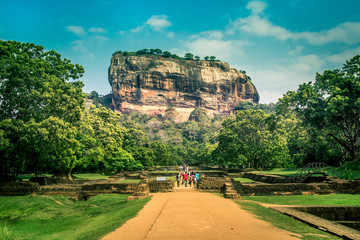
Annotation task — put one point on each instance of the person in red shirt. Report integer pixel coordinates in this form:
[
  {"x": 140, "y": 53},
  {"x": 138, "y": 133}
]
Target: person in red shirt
[{"x": 185, "y": 178}]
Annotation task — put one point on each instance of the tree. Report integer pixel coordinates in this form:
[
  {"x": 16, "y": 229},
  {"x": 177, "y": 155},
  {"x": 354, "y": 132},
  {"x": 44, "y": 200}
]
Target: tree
[
  {"x": 197, "y": 58},
  {"x": 331, "y": 105},
  {"x": 212, "y": 58},
  {"x": 93, "y": 94},
  {"x": 162, "y": 154},
  {"x": 166, "y": 54},
  {"x": 54, "y": 142},
  {"x": 35, "y": 84},
  {"x": 189, "y": 56},
  {"x": 198, "y": 115},
  {"x": 206, "y": 58},
  {"x": 244, "y": 105},
  {"x": 251, "y": 139}
]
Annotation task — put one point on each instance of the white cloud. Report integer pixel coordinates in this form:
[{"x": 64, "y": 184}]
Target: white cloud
[
  {"x": 306, "y": 64},
  {"x": 138, "y": 29},
  {"x": 221, "y": 49},
  {"x": 348, "y": 32},
  {"x": 171, "y": 34},
  {"x": 100, "y": 39},
  {"x": 296, "y": 51},
  {"x": 78, "y": 30},
  {"x": 341, "y": 58},
  {"x": 256, "y": 7},
  {"x": 213, "y": 34},
  {"x": 97, "y": 30},
  {"x": 158, "y": 22}
]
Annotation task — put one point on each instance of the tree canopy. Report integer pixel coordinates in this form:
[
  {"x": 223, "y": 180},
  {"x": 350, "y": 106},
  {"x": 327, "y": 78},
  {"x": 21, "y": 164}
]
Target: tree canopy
[{"x": 331, "y": 105}]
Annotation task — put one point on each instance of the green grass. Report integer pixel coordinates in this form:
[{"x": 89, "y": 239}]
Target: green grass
[
  {"x": 280, "y": 171},
  {"x": 90, "y": 176},
  {"x": 129, "y": 181},
  {"x": 336, "y": 199},
  {"x": 244, "y": 180},
  {"x": 285, "y": 222},
  {"x": 57, "y": 217},
  {"x": 350, "y": 170}
]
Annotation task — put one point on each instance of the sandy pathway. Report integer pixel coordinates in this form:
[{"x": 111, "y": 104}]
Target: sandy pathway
[{"x": 195, "y": 215}]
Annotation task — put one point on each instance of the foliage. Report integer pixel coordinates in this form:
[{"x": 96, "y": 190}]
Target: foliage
[
  {"x": 165, "y": 54},
  {"x": 330, "y": 107},
  {"x": 189, "y": 56},
  {"x": 252, "y": 139},
  {"x": 35, "y": 84}
]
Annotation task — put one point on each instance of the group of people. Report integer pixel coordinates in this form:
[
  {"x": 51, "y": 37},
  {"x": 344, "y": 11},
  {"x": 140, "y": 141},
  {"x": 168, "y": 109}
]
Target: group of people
[{"x": 187, "y": 177}]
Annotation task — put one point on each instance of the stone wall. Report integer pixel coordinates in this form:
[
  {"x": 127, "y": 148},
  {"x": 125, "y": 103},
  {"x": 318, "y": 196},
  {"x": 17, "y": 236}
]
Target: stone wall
[
  {"x": 212, "y": 184},
  {"x": 159, "y": 186},
  {"x": 253, "y": 189},
  {"x": 18, "y": 188},
  {"x": 265, "y": 178}
]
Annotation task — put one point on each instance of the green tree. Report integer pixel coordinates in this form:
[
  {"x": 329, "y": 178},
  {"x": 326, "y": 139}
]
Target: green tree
[
  {"x": 12, "y": 148},
  {"x": 251, "y": 139},
  {"x": 55, "y": 144},
  {"x": 212, "y": 58},
  {"x": 162, "y": 154},
  {"x": 245, "y": 105},
  {"x": 189, "y": 56},
  {"x": 36, "y": 84},
  {"x": 166, "y": 54},
  {"x": 197, "y": 58},
  {"x": 331, "y": 105},
  {"x": 206, "y": 58},
  {"x": 198, "y": 115}
]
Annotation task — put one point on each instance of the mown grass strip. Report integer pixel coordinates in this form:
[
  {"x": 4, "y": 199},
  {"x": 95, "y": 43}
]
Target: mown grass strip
[
  {"x": 336, "y": 199},
  {"x": 56, "y": 217},
  {"x": 285, "y": 222}
]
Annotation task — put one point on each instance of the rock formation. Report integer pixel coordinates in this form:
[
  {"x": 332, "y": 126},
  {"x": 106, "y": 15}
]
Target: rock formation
[{"x": 150, "y": 84}]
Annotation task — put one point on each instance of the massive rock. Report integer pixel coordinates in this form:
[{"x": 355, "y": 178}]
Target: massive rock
[{"x": 150, "y": 84}]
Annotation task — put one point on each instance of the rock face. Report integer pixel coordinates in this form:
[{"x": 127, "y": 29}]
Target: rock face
[{"x": 150, "y": 84}]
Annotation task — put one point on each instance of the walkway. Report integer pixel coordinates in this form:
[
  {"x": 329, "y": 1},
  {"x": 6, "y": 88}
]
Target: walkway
[{"x": 187, "y": 213}]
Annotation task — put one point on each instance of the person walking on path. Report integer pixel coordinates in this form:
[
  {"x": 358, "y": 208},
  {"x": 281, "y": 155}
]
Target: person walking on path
[
  {"x": 197, "y": 178},
  {"x": 190, "y": 177},
  {"x": 185, "y": 178},
  {"x": 178, "y": 179}
]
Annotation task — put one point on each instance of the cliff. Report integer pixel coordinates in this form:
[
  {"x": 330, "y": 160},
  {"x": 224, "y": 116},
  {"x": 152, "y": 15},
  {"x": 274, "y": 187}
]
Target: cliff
[{"x": 150, "y": 84}]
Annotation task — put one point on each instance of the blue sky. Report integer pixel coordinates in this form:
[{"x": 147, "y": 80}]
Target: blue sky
[{"x": 279, "y": 43}]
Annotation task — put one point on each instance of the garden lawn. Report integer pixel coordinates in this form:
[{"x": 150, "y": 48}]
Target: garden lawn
[
  {"x": 90, "y": 176},
  {"x": 57, "y": 217},
  {"x": 244, "y": 180},
  {"x": 336, "y": 199}
]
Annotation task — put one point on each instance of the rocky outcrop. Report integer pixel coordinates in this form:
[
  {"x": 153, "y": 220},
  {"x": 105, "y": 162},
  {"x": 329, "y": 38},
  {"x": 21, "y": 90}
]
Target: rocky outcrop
[{"x": 150, "y": 84}]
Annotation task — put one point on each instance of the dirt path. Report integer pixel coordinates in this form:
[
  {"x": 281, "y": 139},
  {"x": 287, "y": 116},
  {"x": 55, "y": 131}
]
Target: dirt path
[{"x": 195, "y": 215}]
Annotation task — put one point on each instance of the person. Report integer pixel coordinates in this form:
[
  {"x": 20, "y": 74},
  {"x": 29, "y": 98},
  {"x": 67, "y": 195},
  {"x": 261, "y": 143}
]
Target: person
[
  {"x": 190, "y": 178},
  {"x": 185, "y": 178},
  {"x": 178, "y": 178},
  {"x": 197, "y": 178}
]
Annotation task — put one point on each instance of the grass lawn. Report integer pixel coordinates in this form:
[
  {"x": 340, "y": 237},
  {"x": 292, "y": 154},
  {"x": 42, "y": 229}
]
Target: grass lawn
[
  {"x": 280, "y": 171},
  {"x": 336, "y": 199},
  {"x": 57, "y": 217},
  {"x": 285, "y": 222},
  {"x": 129, "y": 181},
  {"x": 350, "y": 170},
  {"x": 244, "y": 180},
  {"x": 90, "y": 176}
]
